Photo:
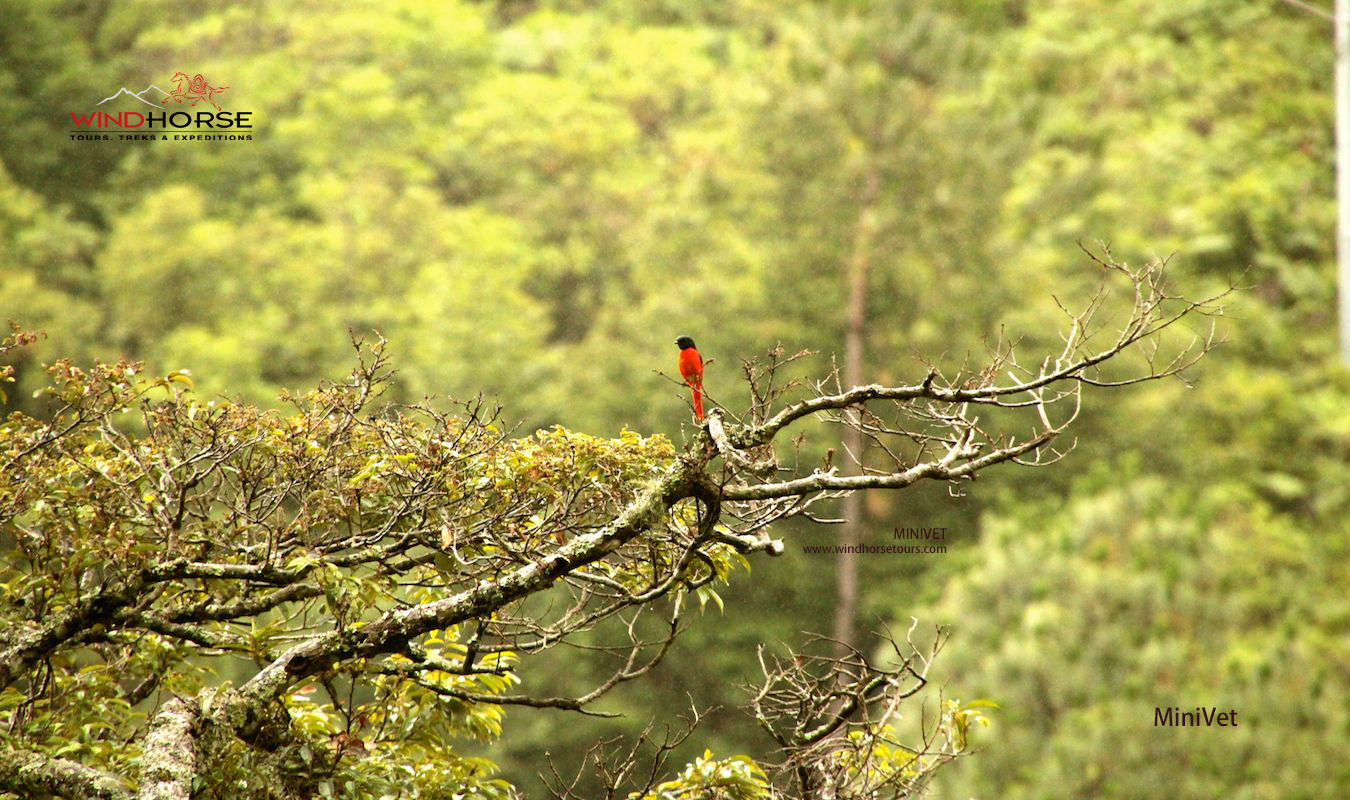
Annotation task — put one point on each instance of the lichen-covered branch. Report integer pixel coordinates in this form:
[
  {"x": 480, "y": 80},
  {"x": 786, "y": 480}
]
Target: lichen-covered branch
[
  {"x": 33, "y": 774},
  {"x": 168, "y": 757}
]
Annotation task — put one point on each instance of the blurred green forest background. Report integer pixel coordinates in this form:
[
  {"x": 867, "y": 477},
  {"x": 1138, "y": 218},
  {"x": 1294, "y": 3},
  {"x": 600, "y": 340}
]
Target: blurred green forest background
[{"x": 532, "y": 199}]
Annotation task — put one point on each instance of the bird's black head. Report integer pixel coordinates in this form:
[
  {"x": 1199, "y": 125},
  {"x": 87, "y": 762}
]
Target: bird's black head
[{"x": 685, "y": 342}]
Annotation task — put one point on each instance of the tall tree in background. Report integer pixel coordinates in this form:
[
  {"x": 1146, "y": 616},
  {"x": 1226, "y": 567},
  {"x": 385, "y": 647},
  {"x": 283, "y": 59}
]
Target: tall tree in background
[
  {"x": 846, "y": 613},
  {"x": 858, "y": 108}
]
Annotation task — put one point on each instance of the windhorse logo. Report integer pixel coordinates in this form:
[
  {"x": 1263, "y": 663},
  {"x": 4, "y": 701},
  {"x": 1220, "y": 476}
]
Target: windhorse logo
[
  {"x": 167, "y": 124},
  {"x": 196, "y": 90}
]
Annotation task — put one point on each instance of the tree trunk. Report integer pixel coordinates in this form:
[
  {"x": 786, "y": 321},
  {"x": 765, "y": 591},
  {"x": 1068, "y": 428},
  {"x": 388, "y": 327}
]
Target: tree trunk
[
  {"x": 1342, "y": 83},
  {"x": 850, "y": 535}
]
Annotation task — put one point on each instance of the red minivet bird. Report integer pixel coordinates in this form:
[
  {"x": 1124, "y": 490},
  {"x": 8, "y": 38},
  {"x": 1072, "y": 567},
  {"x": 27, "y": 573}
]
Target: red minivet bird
[{"x": 691, "y": 369}]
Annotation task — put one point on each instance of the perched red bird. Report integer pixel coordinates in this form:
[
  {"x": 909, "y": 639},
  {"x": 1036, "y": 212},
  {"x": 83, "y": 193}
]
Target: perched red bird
[{"x": 691, "y": 369}]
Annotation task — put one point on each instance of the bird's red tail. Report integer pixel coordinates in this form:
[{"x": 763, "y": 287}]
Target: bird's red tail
[{"x": 698, "y": 401}]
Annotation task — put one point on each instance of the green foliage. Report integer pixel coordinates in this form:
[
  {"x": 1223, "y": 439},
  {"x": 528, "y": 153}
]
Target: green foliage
[
  {"x": 1140, "y": 595},
  {"x": 86, "y": 516},
  {"x": 1203, "y": 567}
]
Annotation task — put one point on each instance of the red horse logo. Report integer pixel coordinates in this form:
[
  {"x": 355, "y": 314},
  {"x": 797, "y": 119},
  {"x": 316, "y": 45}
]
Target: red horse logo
[{"x": 196, "y": 90}]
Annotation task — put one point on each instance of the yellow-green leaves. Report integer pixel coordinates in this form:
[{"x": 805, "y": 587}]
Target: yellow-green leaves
[{"x": 711, "y": 778}]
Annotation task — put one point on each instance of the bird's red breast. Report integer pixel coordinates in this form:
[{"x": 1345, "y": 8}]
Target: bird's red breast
[{"x": 691, "y": 366}]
